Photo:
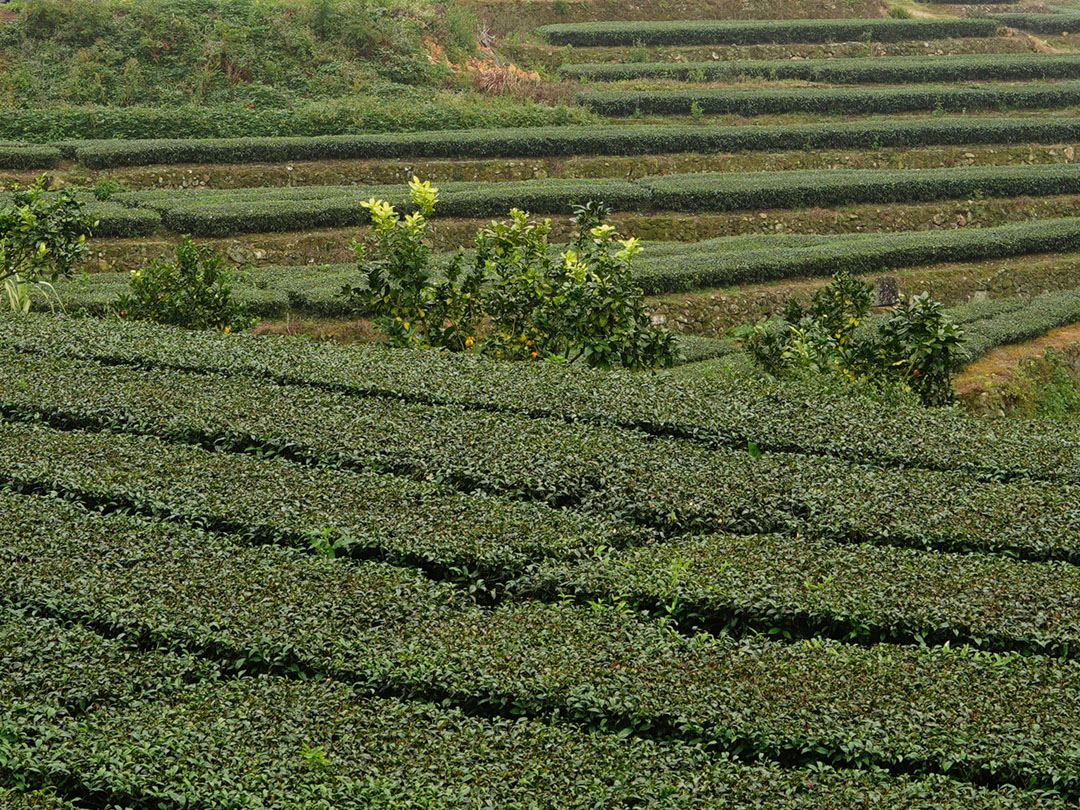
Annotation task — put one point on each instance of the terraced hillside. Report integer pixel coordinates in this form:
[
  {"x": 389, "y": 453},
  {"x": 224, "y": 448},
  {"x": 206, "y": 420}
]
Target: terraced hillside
[
  {"x": 955, "y": 119},
  {"x": 245, "y": 572}
]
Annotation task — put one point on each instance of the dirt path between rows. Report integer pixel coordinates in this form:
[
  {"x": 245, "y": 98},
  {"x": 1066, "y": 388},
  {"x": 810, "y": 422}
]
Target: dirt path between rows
[
  {"x": 1042, "y": 46},
  {"x": 918, "y": 12},
  {"x": 998, "y": 364}
]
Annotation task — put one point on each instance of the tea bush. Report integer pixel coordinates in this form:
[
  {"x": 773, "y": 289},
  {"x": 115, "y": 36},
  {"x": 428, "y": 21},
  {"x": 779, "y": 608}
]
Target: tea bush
[
  {"x": 1056, "y": 23},
  {"x": 894, "y": 70},
  {"x": 307, "y": 729},
  {"x": 217, "y": 212},
  {"x": 28, "y": 157},
  {"x": 713, "y": 412},
  {"x": 568, "y": 140},
  {"x": 404, "y": 109},
  {"x": 750, "y": 32},
  {"x": 653, "y": 485},
  {"x": 835, "y": 100}
]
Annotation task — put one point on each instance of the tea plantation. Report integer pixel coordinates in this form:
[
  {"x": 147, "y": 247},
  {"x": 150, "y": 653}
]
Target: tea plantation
[
  {"x": 585, "y": 575},
  {"x": 258, "y": 570}
]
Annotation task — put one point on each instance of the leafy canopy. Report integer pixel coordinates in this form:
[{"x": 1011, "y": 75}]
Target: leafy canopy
[
  {"x": 915, "y": 349},
  {"x": 195, "y": 291},
  {"x": 42, "y": 238},
  {"x": 517, "y": 297}
]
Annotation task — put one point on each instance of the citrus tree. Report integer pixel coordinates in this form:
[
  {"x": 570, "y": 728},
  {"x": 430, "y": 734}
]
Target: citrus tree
[
  {"x": 516, "y": 297},
  {"x": 42, "y": 238}
]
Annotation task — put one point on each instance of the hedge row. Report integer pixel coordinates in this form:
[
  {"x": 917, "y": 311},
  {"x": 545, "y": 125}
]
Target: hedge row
[
  {"x": 1043, "y": 313},
  {"x": 180, "y": 577},
  {"x": 50, "y": 673},
  {"x": 339, "y": 117},
  {"x": 695, "y": 348},
  {"x": 274, "y": 500},
  {"x": 568, "y": 141},
  {"x": 20, "y": 156},
  {"x": 113, "y": 219},
  {"x": 62, "y": 668},
  {"x": 928, "y": 710},
  {"x": 989, "y": 308},
  {"x": 712, "y": 412},
  {"x": 295, "y": 744},
  {"x": 834, "y": 100},
  {"x": 663, "y": 484},
  {"x": 802, "y": 586},
  {"x": 1060, "y": 23},
  {"x": 872, "y": 254},
  {"x": 731, "y": 191},
  {"x": 222, "y": 213},
  {"x": 272, "y": 292},
  {"x": 890, "y": 70},
  {"x": 234, "y": 739},
  {"x": 267, "y": 292},
  {"x": 752, "y": 32},
  {"x": 225, "y": 212},
  {"x": 982, "y": 600}
]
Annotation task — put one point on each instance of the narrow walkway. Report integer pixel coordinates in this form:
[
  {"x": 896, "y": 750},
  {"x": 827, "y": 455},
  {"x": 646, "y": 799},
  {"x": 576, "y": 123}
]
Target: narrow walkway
[{"x": 997, "y": 365}]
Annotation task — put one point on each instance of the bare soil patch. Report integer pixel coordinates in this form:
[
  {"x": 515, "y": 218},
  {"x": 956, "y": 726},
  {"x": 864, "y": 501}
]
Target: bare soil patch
[{"x": 997, "y": 365}]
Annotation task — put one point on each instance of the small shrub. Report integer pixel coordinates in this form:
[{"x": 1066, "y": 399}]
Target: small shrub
[
  {"x": 919, "y": 345},
  {"x": 766, "y": 344},
  {"x": 915, "y": 350},
  {"x": 105, "y": 187},
  {"x": 195, "y": 292},
  {"x": 638, "y": 52},
  {"x": 840, "y": 306},
  {"x": 412, "y": 68},
  {"x": 1046, "y": 386},
  {"x": 411, "y": 306}
]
